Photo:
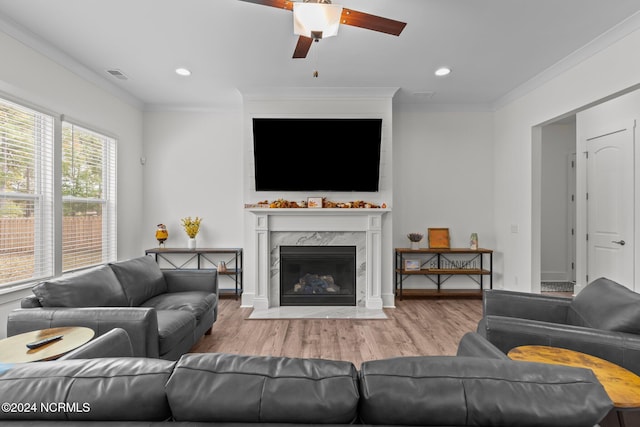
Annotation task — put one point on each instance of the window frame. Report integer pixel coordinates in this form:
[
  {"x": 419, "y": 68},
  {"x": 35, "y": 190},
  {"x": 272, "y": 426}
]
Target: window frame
[
  {"x": 110, "y": 193},
  {"x": 43, "y": 195},
  {"x": 51, "y": 230}
]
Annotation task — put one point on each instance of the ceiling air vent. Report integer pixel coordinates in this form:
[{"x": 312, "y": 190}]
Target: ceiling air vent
[{"x": 117, "y": 74}]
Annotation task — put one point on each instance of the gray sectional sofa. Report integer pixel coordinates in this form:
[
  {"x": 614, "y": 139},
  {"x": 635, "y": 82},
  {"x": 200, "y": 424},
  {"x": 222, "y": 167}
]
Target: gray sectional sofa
[
  {"x": 164, "y": 312},
  {"x": 235, "y": 390}
]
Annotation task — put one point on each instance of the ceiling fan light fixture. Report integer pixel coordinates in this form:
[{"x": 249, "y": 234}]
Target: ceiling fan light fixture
[{"x": 313, "y": 18}]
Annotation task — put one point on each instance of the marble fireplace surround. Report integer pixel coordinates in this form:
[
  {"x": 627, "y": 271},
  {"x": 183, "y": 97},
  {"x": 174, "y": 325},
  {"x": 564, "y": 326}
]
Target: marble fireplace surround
[{"x": 361, "y": 228}]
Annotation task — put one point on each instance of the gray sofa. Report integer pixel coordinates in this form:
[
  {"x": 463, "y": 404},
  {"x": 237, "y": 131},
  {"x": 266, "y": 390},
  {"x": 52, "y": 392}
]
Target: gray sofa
[
  {"x": 242, "y": 391},
  {"x": 603, "y": 320},
  {"x": 164, "y": 312}
]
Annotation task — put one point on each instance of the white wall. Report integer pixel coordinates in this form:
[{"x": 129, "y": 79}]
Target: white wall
[
  {"x": 612, "y": 70},
  {"x": 558, "y": 145},
  {"x": 443, "y": 172},
  {"x": 34, "y": 78},
  {"x": 193, "y": 168}
]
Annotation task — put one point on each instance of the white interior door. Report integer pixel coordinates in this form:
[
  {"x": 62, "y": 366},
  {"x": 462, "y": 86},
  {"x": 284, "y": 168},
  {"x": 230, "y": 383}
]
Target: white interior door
[{"x": 610, "y": 206}]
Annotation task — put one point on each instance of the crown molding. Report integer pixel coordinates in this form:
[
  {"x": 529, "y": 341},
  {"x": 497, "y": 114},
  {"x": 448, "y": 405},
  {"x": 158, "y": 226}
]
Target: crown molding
[
  {"x": 298, "y": 93},
  {"x": 177, "y": 108},
  {"x": 37, "y": 43},
  {"x": 600, "y": 43}
]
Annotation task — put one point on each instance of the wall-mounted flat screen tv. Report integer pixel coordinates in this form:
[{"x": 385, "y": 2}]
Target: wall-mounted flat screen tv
[{"x": 317, "y": 154}]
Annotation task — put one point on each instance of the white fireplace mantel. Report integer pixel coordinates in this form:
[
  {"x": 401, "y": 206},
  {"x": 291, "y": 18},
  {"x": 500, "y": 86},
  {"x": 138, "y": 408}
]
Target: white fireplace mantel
[{"x": 270, "y": 220}]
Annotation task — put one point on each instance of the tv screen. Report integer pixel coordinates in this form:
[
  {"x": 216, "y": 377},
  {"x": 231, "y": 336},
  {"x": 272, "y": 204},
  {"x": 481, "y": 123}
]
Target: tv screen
[{"x": 317, "y": 154}]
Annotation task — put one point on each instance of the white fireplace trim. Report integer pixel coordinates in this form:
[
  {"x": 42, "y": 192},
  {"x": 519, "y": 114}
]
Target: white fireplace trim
[
  {"x": 357, "y": 239},
  {"x": 268, "y": 220}
]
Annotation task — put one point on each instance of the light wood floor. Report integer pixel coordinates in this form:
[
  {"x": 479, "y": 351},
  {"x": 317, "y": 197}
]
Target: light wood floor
[{"x": 416, "y": 327}]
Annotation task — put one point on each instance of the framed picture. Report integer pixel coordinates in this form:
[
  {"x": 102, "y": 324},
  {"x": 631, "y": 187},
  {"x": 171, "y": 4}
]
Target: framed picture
[
  {"x": 411, "y": 265},
  {"x": 438, "y": 238},
  {"x": 314, "y": 202}
]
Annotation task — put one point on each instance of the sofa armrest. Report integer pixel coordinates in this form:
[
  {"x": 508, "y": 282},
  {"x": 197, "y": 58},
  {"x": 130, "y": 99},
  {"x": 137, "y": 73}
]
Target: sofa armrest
[
  {"x": 140, "y": 323},
  {"x": 473, "y": 344},
  {"x": 525, "y": 305},
  {"x": 191, "y": 280},
  {"x": 115, "y": 343},
  {"x": 618, "y": 347},
  {"x": 31, "y": 301}
]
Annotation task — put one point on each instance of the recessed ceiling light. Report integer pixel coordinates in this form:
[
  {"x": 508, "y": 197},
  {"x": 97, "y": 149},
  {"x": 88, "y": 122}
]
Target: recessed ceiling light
[
  {"x": 183, "y": 72},
  {"x": 442, "y": 71}
]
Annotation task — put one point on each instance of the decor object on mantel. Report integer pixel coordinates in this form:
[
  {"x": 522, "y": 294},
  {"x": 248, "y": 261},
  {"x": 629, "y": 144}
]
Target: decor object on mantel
[
  {"x": 290, "y": 204},
  {"x": 191, "y": 226},
  {"x": 415, "y": 239},
  {"x": 161, "y": 234},
  {"x": 314, "y": 202},
  {"x": 317, "y": 19}
]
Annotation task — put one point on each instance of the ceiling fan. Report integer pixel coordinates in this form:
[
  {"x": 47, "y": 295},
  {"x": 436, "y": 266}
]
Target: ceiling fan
[{"x": 317, "y": 19}]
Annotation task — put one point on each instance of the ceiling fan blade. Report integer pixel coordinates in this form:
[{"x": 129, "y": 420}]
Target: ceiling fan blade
[
  {"x": 280, "y": 4},
  {"x": 303, "y": 46},
  {"x": 371, "y": 22}
]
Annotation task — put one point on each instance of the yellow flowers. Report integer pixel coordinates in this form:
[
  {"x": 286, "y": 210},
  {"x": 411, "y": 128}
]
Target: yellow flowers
[{"x": 191, "y": 226}]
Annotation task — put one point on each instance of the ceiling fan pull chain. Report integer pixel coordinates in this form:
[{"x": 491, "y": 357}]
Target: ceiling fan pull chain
[{"x": 315, "y": 60}]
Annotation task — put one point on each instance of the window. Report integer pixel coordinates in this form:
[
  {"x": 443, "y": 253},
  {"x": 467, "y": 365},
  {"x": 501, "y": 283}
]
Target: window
[
  {"x": 26, "y": 193},
  {"x": 88, "y": 197},
  {"x": 45, "y": 228}
]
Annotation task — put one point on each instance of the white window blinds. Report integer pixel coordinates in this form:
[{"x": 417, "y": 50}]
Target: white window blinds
[
  {"x": 26, "y": 193},
  {"x": 88, "y": 197}
]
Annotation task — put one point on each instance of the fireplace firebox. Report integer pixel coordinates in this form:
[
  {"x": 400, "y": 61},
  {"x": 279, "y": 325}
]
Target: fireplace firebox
[{"x": 318, "y": 275}]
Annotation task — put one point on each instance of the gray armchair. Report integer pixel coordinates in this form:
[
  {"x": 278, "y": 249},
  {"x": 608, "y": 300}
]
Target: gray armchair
[{"x": 603, "y": 320}]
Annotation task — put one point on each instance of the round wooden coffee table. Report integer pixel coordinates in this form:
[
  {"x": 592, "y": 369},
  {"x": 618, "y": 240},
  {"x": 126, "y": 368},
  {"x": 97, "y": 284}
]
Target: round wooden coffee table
[
  {"x": 622, "y": 385},
  {"x": 14, "y": 349}
]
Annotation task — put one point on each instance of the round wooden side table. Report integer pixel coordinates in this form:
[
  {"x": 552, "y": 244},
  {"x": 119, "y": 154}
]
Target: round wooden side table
[
  {"x": 14, "y": 349},
  {"x": 622, "y": 385}
]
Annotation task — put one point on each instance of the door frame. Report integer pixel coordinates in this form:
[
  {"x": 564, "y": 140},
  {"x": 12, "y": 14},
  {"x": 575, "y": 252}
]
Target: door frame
[{"x": 632, "y": 98}]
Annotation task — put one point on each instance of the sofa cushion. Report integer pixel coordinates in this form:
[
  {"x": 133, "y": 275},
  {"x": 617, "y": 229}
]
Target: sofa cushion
[
  {"x": 97, "y": 287},
  {"x": 452, "y": 391},
  {"x": 605, "y": 304},
  {"x": 141, "y": 279},
  {"x": 260, "y": 389},
  {"x": 173, "y": 326},
  {"x": 118, "y": 389},
  {"x": 196, "y": 303}
]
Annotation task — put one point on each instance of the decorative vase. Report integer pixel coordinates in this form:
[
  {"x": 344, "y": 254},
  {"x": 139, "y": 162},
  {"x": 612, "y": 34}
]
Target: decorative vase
[
  {"x": 415, "y": 245},
  {"x": 473, "y": 241},
  {"x": 192, "y": 243}
]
